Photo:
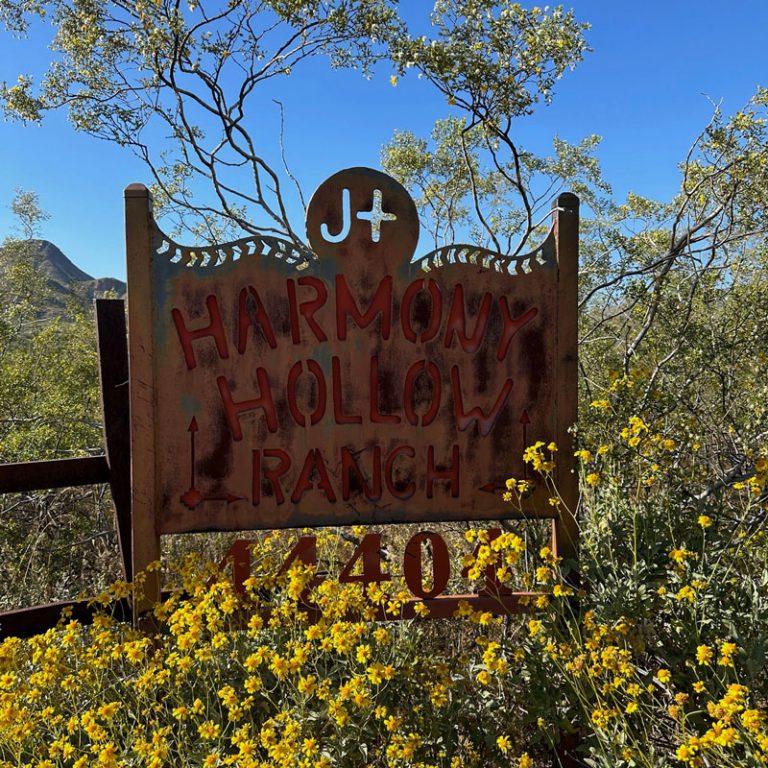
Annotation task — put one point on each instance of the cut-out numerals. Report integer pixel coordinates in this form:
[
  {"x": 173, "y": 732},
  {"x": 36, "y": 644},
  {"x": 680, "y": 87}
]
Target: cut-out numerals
[
  {"x": 239, "y": 556},
  {"x": 304, "y": 551},
  {"x": 413, "y": 565},
  {"x": 493, "y": 586},
  {"x": 369, "y": 549},
  {"x": 366, "y": 567}
]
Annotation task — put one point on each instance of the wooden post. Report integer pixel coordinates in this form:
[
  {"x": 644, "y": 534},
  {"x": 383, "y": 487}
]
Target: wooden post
[
  {"x": 566, "y": 527},
  {"x": 565, "y": 755},
  {"x": 566, "y": 208},
  {"x": 113, "y": 374},
  {"x": 145, "y": 543}
]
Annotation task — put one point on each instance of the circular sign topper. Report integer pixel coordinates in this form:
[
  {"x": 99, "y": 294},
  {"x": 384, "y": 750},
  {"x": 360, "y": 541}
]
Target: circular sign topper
[{"x": 363, "y": 215}]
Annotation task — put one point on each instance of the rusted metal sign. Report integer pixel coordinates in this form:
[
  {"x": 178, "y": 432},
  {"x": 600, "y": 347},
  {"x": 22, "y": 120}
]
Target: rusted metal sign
[{"x": 273, "y": 386}]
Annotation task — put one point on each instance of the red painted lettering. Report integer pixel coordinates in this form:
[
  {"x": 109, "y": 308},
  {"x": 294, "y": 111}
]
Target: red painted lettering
[
  {"x": 349, "y": 467},
  {"x": 307, "y": 308},
  {"x": 263, "y": 401},
  {"x": 398, "y": 488},
  {"x": 214, "y": 329},
  {"x": 313, "y": 464},
  {"x": 435, "y": 315},
  {"x": 376, "y": 416},
  {"x": 338, "y": 398},
  {"x": 511, "y": 325},
  {"x": 409, "y": 390},
  {"x": 251, "y": 312},
  {"x": 457, "y": 321},
  {"x": 381, "y": 304},
  {"x": 485, "y": 422},
  {"x": 440, "y": 473},
  {"x": 322, "y": 393},
  {"x": 272, "y": 476}
]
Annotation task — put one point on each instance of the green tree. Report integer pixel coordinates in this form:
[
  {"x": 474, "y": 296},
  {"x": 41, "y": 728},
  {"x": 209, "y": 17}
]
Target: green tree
[
  {"x": 23, "y": 292},
  {"x": 52, "y": 544},
  {"x": 493, "y": 61},
  {"x": 125, "y": 72},
  {"x": 130, "y": 73},
  {"x": 674, "y": 305}
]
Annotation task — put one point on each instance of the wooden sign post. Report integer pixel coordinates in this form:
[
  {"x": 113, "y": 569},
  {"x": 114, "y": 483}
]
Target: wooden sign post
[{"x": 277, "y": 386}]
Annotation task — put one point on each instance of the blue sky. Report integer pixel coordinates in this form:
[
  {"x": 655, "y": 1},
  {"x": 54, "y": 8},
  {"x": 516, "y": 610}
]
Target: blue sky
[{"x": 645, "y": 88}]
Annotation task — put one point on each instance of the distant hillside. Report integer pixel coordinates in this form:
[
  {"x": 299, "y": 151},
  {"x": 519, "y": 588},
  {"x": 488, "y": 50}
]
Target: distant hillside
[{"x": 66, "y": 281}]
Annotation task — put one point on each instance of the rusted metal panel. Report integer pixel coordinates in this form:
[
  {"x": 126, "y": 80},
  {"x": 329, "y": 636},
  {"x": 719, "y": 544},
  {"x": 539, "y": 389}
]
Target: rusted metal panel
[
  {"x": 348, "y": 384},
  {"x": 55, "y": 473}
]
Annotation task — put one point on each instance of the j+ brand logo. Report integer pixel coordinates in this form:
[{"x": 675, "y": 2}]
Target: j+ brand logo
[{"x": 376, "y": 216}]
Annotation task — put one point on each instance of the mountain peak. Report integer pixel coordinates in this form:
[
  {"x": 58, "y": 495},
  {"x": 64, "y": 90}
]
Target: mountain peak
[
  {"x": 66, "y": 280},
  {"x": 54, "y": 264}
]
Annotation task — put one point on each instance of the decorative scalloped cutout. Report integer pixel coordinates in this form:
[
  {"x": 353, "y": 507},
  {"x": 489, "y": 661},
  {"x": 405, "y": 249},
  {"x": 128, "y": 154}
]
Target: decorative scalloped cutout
[
  {"x": 212, "y": 256},
  {"x": 267, "y": 246},
  {"x": 542, "y": 257}
]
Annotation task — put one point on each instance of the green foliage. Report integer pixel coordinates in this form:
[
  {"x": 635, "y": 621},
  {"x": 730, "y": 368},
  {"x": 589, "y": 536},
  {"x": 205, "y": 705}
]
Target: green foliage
[
  {"x": 660, "y": 658},
  {"x": 53, "y": 544},
  {"x": 494, "y": 59},
  {"x": 196, "y": 73},
  {"x": 459, "y": 171},
  {"x": 129, "y": 73}
]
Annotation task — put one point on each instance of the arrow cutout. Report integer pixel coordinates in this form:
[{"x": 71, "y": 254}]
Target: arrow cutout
[
  {"x": 192, "y": 429},
  {"x": 228, "y": 497}
]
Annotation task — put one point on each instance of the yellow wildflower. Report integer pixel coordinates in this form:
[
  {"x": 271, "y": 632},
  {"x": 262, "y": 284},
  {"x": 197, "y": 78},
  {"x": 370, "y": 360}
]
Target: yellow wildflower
[
  {"x": 209, "y": 729},
  {"x": 704, "y": 655},
  {"x": 686, "y": 593},
  {"x": 727, "y": 650},
  {"x": 483, "y": 677}
]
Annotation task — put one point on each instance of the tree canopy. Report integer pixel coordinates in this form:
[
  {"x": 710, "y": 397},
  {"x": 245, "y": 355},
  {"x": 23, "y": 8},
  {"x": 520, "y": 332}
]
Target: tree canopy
[
  {"x": 182, "y": 84},
  {"x": 662, "y": 659}
]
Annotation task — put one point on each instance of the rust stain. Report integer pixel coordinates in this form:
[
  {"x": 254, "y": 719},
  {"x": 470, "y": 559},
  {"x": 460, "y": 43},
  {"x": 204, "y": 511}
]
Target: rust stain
[{"x": 411, "y": 377}]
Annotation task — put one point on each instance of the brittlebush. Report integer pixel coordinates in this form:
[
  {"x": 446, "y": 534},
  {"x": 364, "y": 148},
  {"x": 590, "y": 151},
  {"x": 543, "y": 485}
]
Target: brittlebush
[{"x": 654, "y": 654}]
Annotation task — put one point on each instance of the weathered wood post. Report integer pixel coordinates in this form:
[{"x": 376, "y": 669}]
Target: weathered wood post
[
  {"x": 566, "y": 230},
  {"x": 139, "y": 251},
  {"x": 566, "y": 527}
]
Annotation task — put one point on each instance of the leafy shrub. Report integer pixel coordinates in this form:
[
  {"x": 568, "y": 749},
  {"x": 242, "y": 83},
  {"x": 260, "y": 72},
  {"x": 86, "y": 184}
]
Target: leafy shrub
[{"x": 656, "y": 656}]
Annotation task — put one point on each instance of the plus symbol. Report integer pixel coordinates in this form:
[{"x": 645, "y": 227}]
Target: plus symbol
[{"x": 376, "y": 216}]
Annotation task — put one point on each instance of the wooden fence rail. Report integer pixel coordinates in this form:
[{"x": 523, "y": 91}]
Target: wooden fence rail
[
  {"x": 26, "y": 622},
  {"x": 56, "y": 473},
  {"x": 113, "y": 467}
]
